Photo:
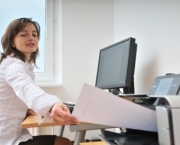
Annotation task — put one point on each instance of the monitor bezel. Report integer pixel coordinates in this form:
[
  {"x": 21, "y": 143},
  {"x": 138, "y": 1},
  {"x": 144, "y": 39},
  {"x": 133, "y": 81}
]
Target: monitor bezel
[{"x": 129, "y": 81}]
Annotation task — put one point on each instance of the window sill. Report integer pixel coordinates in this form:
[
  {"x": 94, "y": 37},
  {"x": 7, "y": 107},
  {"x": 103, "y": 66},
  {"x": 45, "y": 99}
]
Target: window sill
[{"x": 48, "y": 84}]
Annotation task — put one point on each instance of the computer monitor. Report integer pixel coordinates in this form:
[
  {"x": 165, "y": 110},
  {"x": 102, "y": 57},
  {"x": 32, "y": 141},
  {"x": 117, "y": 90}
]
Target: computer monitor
[{"x": 116, "y": 67}]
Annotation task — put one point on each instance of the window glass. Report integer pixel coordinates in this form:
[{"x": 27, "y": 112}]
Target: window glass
[{"x": 35, "y": 9}]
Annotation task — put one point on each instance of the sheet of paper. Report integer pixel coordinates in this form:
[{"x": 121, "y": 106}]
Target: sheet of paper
[
  {"x": 46, "y": 119},
  {"x": 99, "y": 107}
]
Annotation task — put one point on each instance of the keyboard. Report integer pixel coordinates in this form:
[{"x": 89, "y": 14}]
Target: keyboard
[{"x": 70, "y": 106}]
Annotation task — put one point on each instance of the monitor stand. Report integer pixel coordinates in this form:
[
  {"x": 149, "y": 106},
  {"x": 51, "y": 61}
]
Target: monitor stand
[
  {"x": 126, "y": 90},
  {"x": 114, "y": 91}
]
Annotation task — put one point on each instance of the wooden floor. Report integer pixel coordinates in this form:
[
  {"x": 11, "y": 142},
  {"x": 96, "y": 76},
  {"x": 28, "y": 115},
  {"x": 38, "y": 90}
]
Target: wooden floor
[{"x": 94, "y": 143}]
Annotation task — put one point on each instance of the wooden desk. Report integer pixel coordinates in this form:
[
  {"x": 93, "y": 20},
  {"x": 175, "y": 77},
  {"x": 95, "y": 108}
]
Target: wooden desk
[
  {"x": 94, "y": 143},
  {"x": 33, "y": 121},
  {"x": 80, "y": 129}
]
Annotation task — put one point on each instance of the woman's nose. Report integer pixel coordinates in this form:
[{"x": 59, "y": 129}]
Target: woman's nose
[{"x": 31, "y": 37}]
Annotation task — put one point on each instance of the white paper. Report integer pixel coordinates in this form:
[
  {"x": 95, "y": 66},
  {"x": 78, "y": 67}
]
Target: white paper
[
  {"x": 99, "y": 107},
  {"x": 46, "y": 119}
]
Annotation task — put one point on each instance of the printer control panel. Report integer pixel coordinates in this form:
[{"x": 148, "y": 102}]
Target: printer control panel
[{"x": 165, "y": 85}]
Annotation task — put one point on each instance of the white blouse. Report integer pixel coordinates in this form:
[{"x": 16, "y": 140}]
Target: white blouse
[{"x": 18, "y": 92}]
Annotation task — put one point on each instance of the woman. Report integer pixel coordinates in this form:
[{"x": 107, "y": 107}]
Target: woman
[{"x": 19, "y": 95}]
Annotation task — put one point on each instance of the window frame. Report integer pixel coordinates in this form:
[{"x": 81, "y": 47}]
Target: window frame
[{"x": 52, "y": 75}]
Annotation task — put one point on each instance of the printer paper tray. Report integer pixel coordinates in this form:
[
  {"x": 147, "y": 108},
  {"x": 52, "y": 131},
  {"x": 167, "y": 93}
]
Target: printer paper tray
[{"x": 129, "y": 139}]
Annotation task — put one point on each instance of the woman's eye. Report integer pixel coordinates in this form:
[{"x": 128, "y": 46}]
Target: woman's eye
[
  {"x": 35, "y": 35},
  {"x": 23, "y": 34}
]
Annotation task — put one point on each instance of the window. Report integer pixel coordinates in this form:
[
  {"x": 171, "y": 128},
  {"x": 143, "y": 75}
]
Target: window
[{"x": 47, "y": 14}]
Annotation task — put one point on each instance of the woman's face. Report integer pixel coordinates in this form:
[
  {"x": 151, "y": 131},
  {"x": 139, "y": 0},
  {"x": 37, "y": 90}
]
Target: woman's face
[{"x": 26, "y": 41}]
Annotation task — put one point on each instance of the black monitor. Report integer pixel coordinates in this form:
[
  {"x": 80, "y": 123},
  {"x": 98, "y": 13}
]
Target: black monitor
[{"x": 116, "y": 67}]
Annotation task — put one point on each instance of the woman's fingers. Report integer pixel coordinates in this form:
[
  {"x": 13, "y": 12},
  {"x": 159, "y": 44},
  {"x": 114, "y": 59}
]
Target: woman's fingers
[
  {"x": 60, "y": 120},
  {"x": 61, "y": 114},
  {"x": 31, "y": 112}
]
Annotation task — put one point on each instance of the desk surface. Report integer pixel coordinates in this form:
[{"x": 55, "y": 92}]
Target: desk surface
[
  {"x": 80, "y": 129},
  {"x": 94, "y": 143},
  {"x": 32, "y": 121}
]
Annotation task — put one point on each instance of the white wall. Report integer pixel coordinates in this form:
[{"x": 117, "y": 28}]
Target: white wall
[
  {"x": 156, "y": 26},
  {"x": 87, "y": 26}
]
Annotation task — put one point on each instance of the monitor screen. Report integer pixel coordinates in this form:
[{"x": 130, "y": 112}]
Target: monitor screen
[{"x": 116, "y": 65}]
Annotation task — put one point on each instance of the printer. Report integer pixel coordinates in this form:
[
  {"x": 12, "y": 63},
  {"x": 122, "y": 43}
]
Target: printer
[{"x": 164, "y": 97}]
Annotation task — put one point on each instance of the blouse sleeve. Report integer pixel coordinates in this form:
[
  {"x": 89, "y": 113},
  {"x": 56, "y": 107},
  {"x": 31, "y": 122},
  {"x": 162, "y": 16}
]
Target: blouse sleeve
[{"x": 19, "y": 78}]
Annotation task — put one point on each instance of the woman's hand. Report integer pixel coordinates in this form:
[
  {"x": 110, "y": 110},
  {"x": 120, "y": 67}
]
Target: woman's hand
[
  {"x": 60, "y": 114},
  {"x": 30, "y": 112}
]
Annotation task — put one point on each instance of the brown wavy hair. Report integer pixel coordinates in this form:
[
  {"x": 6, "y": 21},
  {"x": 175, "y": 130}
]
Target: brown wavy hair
[{"x": 7, "y": 39}]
